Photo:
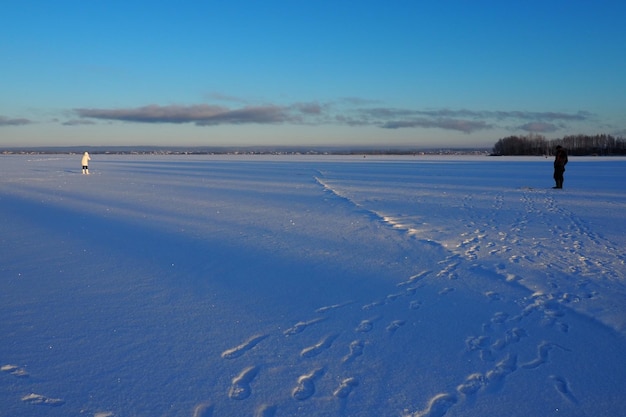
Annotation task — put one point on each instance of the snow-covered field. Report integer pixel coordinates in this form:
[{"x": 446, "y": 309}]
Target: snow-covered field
[{"x": 311, "y": 286}]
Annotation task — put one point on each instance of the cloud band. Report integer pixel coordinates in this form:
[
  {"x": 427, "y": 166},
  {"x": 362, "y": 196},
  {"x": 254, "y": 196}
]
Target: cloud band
[{"x": 348, "y": 112}]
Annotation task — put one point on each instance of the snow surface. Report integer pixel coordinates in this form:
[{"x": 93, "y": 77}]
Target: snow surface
[{"x": 311, "y": 286}]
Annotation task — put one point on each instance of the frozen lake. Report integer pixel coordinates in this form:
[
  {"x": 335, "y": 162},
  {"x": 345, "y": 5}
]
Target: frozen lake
[{"x": 314, "y": 286}]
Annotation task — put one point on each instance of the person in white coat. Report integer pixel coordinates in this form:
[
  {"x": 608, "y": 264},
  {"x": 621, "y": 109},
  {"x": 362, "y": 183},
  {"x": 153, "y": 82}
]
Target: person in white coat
[{"x": 85, "y": 162}]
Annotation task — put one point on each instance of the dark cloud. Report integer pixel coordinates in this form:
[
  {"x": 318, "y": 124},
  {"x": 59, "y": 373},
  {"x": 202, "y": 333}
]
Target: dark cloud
[
  {"x": 465, "y": 126},
  {"x": 447, "y": 113},
  {"x": 538, "y": 127},
  {"x": 156, "y": 114},
  {"x": 77, "y": 122},
  {"x": 394, "y": 118},
  {"x": 387, "y": 112},
  {"x": 347, "y": 111},
  {"x": 463, "y": 120},
  {"x": 313, "y": 108},
  {"x": 343, "y": 119},
  {"x": 5, "y": 121},
  {"x": 208, "y": 115},
  {"x": 501, "y": 115},
  {"x": 261, "y": 115},
  {"x": 542, "y": 116}
]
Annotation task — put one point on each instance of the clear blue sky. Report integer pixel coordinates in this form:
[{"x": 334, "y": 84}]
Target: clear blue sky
[{"x": 405, "y": 72}]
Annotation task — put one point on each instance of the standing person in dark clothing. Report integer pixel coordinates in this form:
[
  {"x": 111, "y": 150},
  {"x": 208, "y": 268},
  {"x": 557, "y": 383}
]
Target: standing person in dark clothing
[{"x": 560, "y": 160}]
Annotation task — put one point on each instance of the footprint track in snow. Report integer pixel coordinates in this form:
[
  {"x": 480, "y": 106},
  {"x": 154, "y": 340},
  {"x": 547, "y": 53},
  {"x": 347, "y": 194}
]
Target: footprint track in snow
[
  {"x": 395, "y": 325},
  {"x": 356, "y": 349},
  {"x": 345, "y": 387},
  {"x": 266, "y": 410},
  {"x": 203, "y": 410},
  {"x": 366, "y": 325},
  {"x": 305, "y": 387},
  {"x": 562, "y": 387},
  {"x": 324, "y": 309},
  {"x": 240, "y": 388},
  {"x": 438, "y": 406},
  {"x": 319, "y": 347},
  {"x": 472, "y": 384},
  {"x": 239, "y": 350},
  {"x": 15, "y": 370},
  {"x": 503, "y": 335},
  {"x": 415, "y": 278},
  {"x": 38, "y": 399},
  {"x": 301, "y": 326},
  {"x": 543, "y": 349},
  {"x": 489, "y": 347}
]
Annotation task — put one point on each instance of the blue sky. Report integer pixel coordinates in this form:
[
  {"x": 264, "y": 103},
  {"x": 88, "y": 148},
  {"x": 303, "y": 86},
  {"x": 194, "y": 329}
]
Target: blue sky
[{"x": 416, "y": 73}]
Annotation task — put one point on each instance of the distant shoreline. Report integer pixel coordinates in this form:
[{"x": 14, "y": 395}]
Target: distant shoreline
[{"x": 252, "y": 150}]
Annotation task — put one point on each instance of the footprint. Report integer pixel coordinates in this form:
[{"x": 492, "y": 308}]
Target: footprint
[
  {"x": 333, "y": 307},
  {"x": 240, "y": 388},
  {"x": 301, "y": 326},
  {"x": 449, "y": 271},
  {"x": 346, "y": 387},
  {"x": 393, "y": 297},
  {"x": 316, "y": 349},
  {"x": 438, "y": 406},
  {"x": 411, "y": 290},
  {"x": 476, "y": 343},
  {"x": 365, "y": 326},
  {"x": 446, "y": 290},
  {"x": 37, "y": 399},
  {"x": 372, "y": 305},
  {"x": 203, "y": 410},
  {"x": 472, "y": 384},
  {"x": 395, "y": 325},
  {"x": 503, "y": 368},
  {"x": 493, "y": 296},
  {"x": 237, "y": 351},
  {"x": 356, "y": 350},
  {"x": 563, "y": 327},
  {"x": 515, "y": 334},
  {"x": 415, "y": 278},
  {"x": 542, "y": 355},
  {"x": 499, "y": 317},
  {"x": 561, "y": 385},
  {"x": 265, "y": 411},
  {"x": 14, "y": 370},
  {"x": 510, "y": 336},
  {"x": 306, "y": 385},
  {"x": 508, "y": 364}
]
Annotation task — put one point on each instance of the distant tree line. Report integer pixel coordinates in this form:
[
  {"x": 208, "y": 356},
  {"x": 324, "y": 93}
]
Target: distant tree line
[{"x": 575, "y": 144}]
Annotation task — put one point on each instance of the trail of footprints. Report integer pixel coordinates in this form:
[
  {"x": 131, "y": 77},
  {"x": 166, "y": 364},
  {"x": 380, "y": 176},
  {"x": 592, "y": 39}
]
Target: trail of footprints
[
  {"x": 576, "y": 237},
  {"x": 305, "y": 387},
  {"x": 494, "y": 345},
  {"x": 574, "y": 234},
  {"x": 32, "y": 398}
]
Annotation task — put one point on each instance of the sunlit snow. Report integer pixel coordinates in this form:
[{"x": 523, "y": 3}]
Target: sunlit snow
[{"x": 311, "y": 286}]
